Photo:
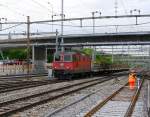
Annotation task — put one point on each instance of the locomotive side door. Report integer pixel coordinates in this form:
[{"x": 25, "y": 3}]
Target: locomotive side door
[{"x": 75, "y": 62}]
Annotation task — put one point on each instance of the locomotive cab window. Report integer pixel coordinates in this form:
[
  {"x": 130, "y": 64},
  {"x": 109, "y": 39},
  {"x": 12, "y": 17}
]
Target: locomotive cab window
[
  {"x": 67, "y": 57},
  {"x": 74, "y": 58},
  {"x": 57, "y": 57}
]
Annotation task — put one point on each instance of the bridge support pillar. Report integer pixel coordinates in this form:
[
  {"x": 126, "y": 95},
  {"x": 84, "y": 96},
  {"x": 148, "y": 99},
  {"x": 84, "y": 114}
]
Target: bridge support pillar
[{"x": 39, "y": 59}]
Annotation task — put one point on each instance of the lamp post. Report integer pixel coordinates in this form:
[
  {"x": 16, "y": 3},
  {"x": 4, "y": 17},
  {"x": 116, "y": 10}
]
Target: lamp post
[
  {"x": 62, "y": 23},
  {"x": 57, "y": 30},
  {"x": 52, "y": 13},
  {"x": 2, "y": 20},
  {"x": 53, "y": 19},
  {"x": 137, "y": 11},
  {"x": 28, "y": 44},
  {"x": 93, "y": 16}
]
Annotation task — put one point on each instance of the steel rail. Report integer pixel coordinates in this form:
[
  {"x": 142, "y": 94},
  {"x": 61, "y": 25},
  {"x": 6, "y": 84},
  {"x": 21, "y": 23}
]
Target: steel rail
[
  {"x": 27, "y": 85},
  {"x": 130, "y": 108},
  {"x": 7, "y": 87},
  {"x": 50, "y": 91},
  {"x": 60, "y": 109},
  {"x": 101, "y": 104},
  {"x": 27, "y": 106},
  {"x": 22, "y": 75},
  {"x": 133, "y": 101}
]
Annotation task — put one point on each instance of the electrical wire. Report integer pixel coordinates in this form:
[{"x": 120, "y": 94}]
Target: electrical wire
[
  {"x": 83, "y": 3},
  {"x": 100, "y": 25},
  {"x": 74, "y": 25},
  {"x": 43, "y": 6},
  {"x": 86, "y": 26},
  {"x": 12, "y": 10},
  {"x": 125, "y": 10},
  {"x": 80, "y": 27},
  {"x": 11, "y": 27}
]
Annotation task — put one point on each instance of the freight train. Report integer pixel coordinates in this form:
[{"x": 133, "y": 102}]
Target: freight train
[{"x": 69, "y": 64}]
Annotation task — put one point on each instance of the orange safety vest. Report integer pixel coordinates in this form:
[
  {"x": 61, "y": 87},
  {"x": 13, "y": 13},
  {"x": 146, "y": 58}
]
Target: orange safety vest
[{"x": 132, "y": 78}]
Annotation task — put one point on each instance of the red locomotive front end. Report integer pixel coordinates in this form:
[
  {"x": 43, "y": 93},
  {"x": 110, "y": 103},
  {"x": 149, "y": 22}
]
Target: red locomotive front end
[{"x": 68, "y": 64}]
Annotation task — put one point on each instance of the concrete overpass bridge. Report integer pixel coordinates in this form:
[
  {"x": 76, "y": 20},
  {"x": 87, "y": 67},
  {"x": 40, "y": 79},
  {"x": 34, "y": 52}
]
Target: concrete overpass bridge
[
  {"x": 82, "y": 39},
  {"x": 40, "y": 44}
]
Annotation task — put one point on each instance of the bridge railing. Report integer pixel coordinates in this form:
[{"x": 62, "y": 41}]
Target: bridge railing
[{"x": 24, "y": 35}]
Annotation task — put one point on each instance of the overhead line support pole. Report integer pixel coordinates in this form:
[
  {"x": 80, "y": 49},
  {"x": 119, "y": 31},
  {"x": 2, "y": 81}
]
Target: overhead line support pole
[
  {"x": 28, "y": 44},
  {"x": 62, "y": 24},
  {"x": 56, "y": 49},
  {"x": 93, "y": 22}
]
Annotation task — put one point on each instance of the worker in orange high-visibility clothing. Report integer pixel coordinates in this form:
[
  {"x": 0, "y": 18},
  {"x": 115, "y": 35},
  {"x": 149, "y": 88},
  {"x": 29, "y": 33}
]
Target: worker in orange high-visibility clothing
[{"x": 132, "y": 80}]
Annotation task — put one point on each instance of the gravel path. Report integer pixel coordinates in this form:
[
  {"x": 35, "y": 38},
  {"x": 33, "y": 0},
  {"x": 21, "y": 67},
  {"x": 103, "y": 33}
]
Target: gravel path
[{"x": 103, "y": 89}]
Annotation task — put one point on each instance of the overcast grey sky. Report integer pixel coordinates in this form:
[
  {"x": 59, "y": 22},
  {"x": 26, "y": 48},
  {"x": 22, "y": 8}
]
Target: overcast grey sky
[
  {"x": 17, "y": 10},
  {"x": 41, "y": 10}
]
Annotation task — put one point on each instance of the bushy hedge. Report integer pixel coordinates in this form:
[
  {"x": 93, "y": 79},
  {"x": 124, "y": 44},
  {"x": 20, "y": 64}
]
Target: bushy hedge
[
  {"x": 99, "y": 58},
  {"x": 15, "y": 53}
]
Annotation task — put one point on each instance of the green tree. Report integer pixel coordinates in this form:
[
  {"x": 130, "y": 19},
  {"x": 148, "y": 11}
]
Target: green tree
[{"x": 15, "y": 53}]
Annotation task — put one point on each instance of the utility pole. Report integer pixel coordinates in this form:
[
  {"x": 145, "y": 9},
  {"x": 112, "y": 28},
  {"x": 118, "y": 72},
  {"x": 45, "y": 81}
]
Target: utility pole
[
  {"x": 28, "y": 44},
  {"x": 138, "y": 11},
  {"x": 0, "y": 26},
  {"x": 128, "y": 55},
  {"x": 116, "y": 7},
  {"x": 93, "y": 16},
  {"x": 1, "y": 52},
  {"x": 62, "y": 23},
  {"x": 93, "y": 21},
  {"x": 2, "y": 20},
  {"x": 52, "y": 14},
  {"x": 148, "y": 98},
  {"x": 112, "y": 58},
  {"x": 56, "y": 41}
]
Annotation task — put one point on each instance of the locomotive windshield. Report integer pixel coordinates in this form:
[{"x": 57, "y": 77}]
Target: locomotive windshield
[
  {"x": 67, "y": 57},
  {"x": 63, "y": 57},
  {"x": 57, "y": 57}
]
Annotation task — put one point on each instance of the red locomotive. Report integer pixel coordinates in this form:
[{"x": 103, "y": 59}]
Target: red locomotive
[{"x": 67, "y": 64}]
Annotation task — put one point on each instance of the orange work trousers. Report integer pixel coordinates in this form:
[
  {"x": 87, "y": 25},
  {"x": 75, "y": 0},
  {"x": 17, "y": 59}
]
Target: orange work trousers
[{"x": 131, "y": 83}]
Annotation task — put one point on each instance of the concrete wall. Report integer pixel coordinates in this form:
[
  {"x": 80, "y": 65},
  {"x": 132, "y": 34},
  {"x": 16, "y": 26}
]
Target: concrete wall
[{"x": 39, "y": 59}]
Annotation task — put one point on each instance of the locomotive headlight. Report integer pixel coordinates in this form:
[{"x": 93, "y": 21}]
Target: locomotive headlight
[{"x": 62, "y": 64}]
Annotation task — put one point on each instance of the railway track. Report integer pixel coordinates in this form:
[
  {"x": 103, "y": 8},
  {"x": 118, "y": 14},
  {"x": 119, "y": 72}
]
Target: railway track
[
  {"x": 112, "y": 105},
  {"x": 20, "y": 76},
  {"x": 16, "y": 82},
  {"x": 7, "y": 87},
  {"x": 12, "y": 86},
  {"x": 16, "y": 105}
]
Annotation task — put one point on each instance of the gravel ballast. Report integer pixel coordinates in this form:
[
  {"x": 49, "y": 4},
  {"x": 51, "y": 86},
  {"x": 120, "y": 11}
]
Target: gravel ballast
[{"x": 104, "y": 89}]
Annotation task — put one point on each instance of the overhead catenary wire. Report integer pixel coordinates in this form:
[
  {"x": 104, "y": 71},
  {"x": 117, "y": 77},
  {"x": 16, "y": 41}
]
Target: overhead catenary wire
[
  {"x": 83, "y": 18},
  {"x": 43, "y": 6},
  {"x": 125, "y": 10},
  {"x": 12, "y": 10},
  {"x": 82, "y": 26},
  {"x": 10, "y": 27},
  {"x": 100, "y": 25}
]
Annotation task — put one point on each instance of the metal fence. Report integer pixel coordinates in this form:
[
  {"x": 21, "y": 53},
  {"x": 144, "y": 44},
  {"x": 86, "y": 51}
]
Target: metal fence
[{"x": 15, "y": 69}]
